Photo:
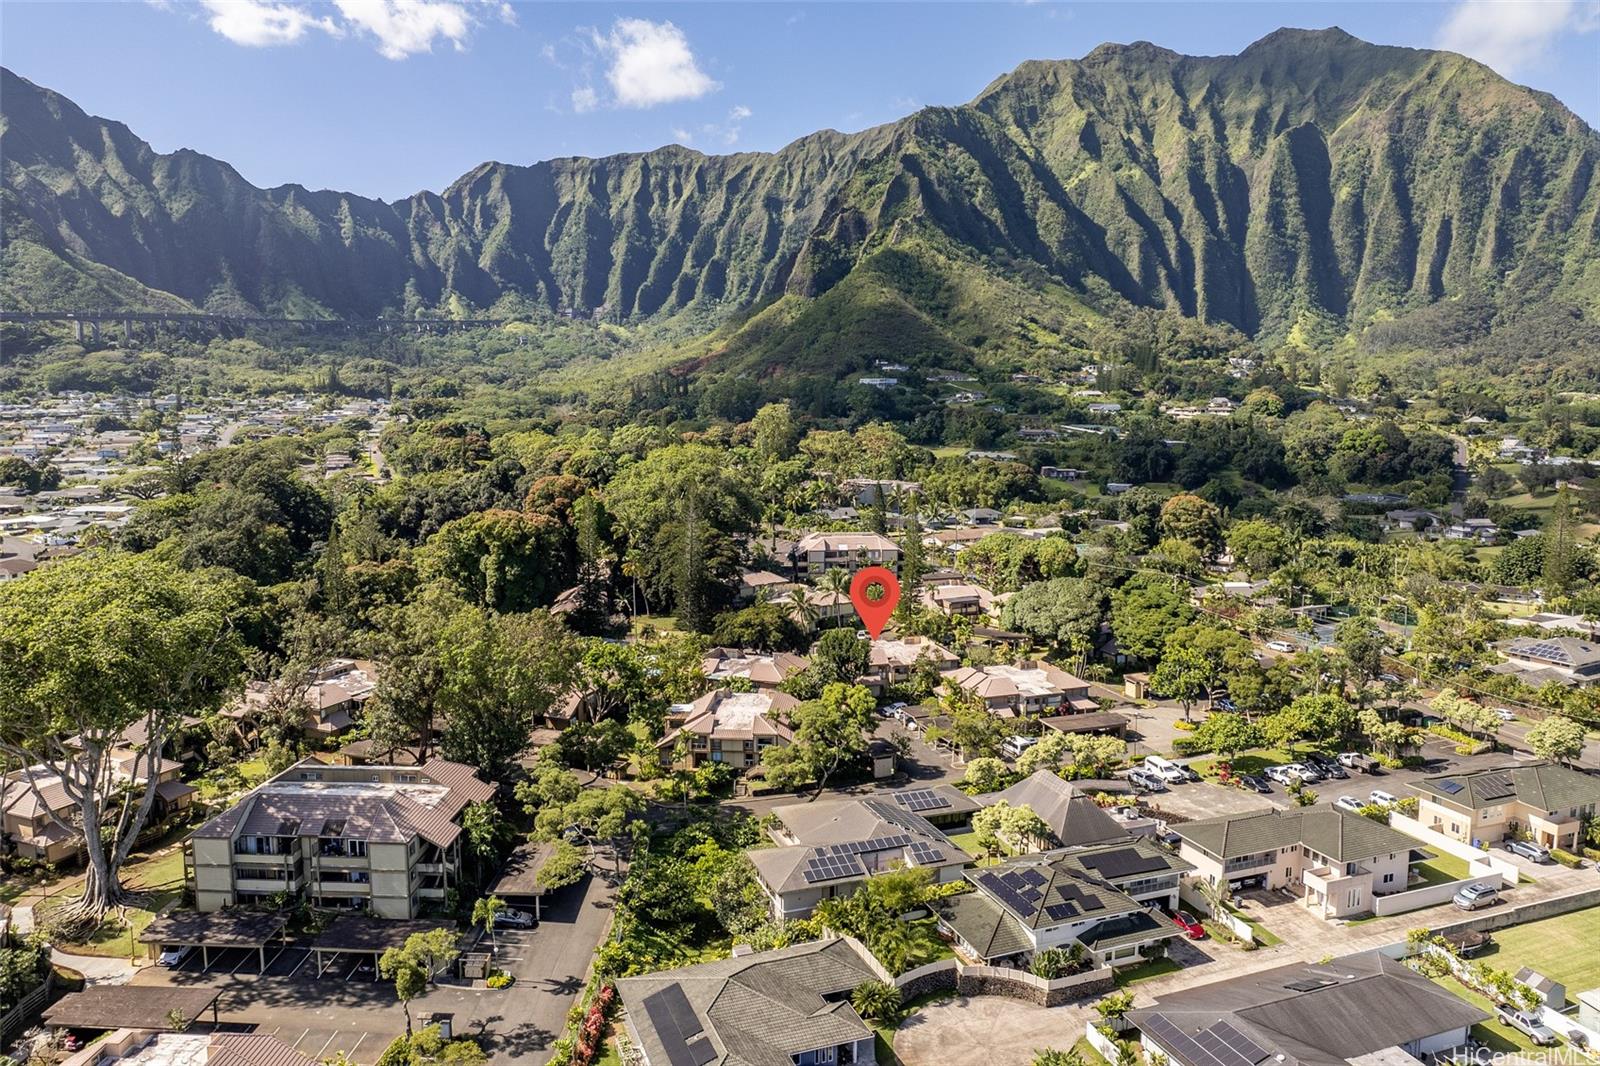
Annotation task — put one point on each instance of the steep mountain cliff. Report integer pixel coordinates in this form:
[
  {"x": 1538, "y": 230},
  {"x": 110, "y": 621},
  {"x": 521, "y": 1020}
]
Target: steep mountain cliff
[{"x": 1313, "y": 182}]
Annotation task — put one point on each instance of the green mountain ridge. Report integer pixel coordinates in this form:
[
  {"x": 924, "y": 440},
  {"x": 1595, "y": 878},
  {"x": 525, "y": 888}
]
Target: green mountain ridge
[{"x": 1312, "y": 182}]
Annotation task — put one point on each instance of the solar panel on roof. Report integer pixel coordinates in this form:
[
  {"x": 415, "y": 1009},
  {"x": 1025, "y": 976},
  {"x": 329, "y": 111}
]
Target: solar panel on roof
[
  {"x": 1220, "y": 1045},
  {"x": 827, "y": 866},
  {"x": 675, "y": 1023},
  {"x": 1123, "y": 862},
  {"x": 926, "y": 854},
  {"x": 921, "y": 799},
  {"x": 701, "y": 1051},
  {"x": 1452, "y": 787},
  {"x": 1496, "y": 786},
  {"x": 1058, "y": 911},
  {"x": 1033, "y": 877},
  {"x": 1239, "y": 1043}
]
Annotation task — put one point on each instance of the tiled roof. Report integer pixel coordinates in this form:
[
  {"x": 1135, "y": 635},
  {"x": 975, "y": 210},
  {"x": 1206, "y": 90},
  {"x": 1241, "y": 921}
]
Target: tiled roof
[
  {"x": 1072, "y": 816},
  {"x": 1546, "y": 786},
  {"x": 760, "y": 1009},
  {"x": 1341, "y": 837}
]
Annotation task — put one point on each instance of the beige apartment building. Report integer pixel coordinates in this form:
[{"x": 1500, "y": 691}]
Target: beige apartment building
[
  {"x": 816, "y": 553},
  {"x": 1546, "y": 802},
  {"x": 384, "y": 839},
  {"x": 727, "y": 727}
]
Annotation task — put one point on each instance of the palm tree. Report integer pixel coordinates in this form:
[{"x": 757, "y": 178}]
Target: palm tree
[
  {"x": 877, "y": 1000},
  {"x": 801, "y": 610},
  {"x": 484, "y": 912},
  {"x": 836, "y": 580}
]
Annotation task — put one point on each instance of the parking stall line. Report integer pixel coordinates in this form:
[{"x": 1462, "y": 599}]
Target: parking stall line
[
  {"x": 299, "y": 965},
  {"x": 303, "y": 1034},
  {"x": 351, "y": 1054},
  {"x": 325, "y": 1043}
]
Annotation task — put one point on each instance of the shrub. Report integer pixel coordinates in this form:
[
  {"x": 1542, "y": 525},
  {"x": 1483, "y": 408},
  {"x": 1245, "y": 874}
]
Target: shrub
[
  {"x": 1566, "y": 858},
  {"x": 877, "y": 1000},
  {"x": 500, "y": 979},
  {"x": 1185, "y": 746}
]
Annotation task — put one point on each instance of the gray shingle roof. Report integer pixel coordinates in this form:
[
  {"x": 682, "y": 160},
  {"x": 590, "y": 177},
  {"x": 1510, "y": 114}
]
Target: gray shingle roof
[
  {"x": 819, "y": 827},
  {"x": 1543, "y": 785},
  {"x": 761, "y": 1009},
  {"x": 1336, "y": 1012},
  {"x": 1073, "y": 816},
  {"x": 1340, "y": 836},
  {"x": 984, "y": 925}
]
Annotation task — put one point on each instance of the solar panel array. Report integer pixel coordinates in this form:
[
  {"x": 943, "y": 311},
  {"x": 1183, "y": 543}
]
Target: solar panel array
[
  {"x": 828, "y": 865},
  {"x": 921, "y": 799},
  {"x": 1123, "y": 862},
  {"x": 1219, "y": 1045},
  {"x": 675, "y": 1023},
  {"x": 1496, "y": 786},
  {"x": 1546, "y": 650},
  {"x": 926, "y": 854},
  {"x": 1452, "y": 787}
]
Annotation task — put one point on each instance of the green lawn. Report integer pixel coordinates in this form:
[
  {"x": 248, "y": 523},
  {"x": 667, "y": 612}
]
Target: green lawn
[
  {"x": 1247, "y": 762},
  {"x": 927, "y": 947},
  {"x": 1132, "y": 975},
  {"x": 1086, "y": 1051},
  {"x": 1442, "y": 869},
  {"x": 1492, "y": 1034},
  {"x": 158, "y": 879},
  {"x": 1553, "y": 947}
]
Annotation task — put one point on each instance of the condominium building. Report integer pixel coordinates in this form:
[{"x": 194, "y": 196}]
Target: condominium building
[
  {"x": 380, "y": 838},
  {"x": 816, "y": 553}
]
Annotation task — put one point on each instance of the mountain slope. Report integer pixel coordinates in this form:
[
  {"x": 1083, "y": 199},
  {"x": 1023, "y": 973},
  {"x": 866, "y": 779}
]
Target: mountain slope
[{"x": 1311, "y": 184}]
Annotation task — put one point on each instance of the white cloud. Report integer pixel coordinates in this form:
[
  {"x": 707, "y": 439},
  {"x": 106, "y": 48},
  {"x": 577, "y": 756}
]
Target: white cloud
[
  {"x": 651, "y": 63},
  {"x": 683, "y": 136},
  {"x": 1511, "y": 35},
  {"x": 399, "y": 28},
  {"x": 406, "y": 27},
  {"x": 261, "y": 23},
  {"x": 739, "y": 113},
  {"x": 584, "y": 98}
]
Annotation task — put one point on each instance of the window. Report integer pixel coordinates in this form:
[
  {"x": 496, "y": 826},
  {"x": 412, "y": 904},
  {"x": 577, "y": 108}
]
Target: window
[
  {"x": 358, "y": 848},
  {"x": 1388, "y": 879},
  {"x": 1355, "y": 898}
]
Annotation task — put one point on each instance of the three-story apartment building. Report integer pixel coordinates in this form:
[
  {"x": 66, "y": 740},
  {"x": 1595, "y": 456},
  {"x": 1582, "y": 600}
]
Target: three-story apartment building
[{"x": 379, "y": 838}]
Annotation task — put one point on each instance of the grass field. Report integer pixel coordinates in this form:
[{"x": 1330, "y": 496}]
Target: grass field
[
  {"x": 1144, "y": 971},
  {"x": 1561, "y": 948},
  {"x": 1442, "y": 869},
  {"x": 159, "y": 881}
]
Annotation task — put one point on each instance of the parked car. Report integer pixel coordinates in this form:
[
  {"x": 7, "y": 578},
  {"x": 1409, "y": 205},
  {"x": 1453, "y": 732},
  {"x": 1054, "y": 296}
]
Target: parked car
[
  {"x": 1254, "y": 783},
  {"x": 1169, "y": 839},
  {"x": 1354, "y": 760},
  {"x": 1223, "y": 704},
  {"x": 512, "y": 918},
  {"x": 1325, "y": 766},
  {"x": 1382, "y": 798},
  {"x": 1472, "y": 897},
  {"x": 1281, "y": 646},
  {"x": 1299, "y": 771},
  {"x": 1349, "y": 803},
  {"x": 1529, "y": 850},
  {"x": 174, "y": 956},
  {"x": 1146, "y": 780},
  {"x": 1014, "y": 746},
  {"x": 1527, "y": 1024},
  {"x": 1190, "y": 925},
  {"x": 1505, "y": 714},
  {"x": 1191, "y": 773},
  {"x": 1389, "y": 679},
  {"x": 892, "y": 710},
  {"x": 1280, "y": 774}
]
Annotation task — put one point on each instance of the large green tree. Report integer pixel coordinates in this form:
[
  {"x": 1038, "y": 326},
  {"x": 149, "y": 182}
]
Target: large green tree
[{"x": 89, "y": 647}]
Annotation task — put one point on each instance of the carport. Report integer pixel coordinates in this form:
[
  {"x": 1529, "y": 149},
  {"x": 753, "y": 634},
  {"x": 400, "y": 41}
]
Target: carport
[
  {"x": 362, "y": 935},
  {"x": 158, "y": 1007},
  {"x": 216, "y": 931},
  {"x": 518, "y": 884}
]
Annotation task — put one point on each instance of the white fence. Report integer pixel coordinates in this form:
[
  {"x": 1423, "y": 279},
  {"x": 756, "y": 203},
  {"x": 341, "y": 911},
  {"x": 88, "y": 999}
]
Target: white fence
[
  {"x": 1100, "y": 1042},
  {"x": 1236, "y": 925},
  {"x": 1479, "y": 863},
  {"x": 1428, "y": 895}
]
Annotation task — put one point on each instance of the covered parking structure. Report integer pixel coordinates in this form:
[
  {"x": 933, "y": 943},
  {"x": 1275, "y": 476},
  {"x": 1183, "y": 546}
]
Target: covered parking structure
[
  {"x": 161, "y": 1008},
  {"x": 518, "y": 884},
  {"x": 216, "y": 931},
  {"x": 365, "y": 938}
]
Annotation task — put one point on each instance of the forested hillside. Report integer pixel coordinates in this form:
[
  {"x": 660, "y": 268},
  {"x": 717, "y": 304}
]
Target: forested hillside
[{"x": 1311, "y": 184}]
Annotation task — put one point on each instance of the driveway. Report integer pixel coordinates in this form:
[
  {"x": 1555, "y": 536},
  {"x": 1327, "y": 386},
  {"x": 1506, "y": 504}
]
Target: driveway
[
  {"x": 342, "y": 1011},
  {"x": 987, "y": 1031},
  {"x": 550, "y": 964}
]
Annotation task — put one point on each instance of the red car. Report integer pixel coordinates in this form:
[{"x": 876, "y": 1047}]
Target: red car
[{"x": 1189, "y": 925}]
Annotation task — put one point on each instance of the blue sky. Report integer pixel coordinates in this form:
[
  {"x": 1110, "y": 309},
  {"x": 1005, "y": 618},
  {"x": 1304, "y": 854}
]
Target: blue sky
[{"x": 388, "y": 97}]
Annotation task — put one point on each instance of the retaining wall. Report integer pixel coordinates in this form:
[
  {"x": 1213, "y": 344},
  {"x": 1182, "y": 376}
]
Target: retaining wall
[{"x": 1479, "y": 862}]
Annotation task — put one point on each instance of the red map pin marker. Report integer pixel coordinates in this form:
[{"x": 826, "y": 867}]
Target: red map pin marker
[{"x": 874, "y": 612}]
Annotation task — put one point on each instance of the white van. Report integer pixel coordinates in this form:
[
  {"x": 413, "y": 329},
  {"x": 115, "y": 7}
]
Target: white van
[
  {"x": 1014, "y": 746},
  {"x": 1166, "y": 769}
]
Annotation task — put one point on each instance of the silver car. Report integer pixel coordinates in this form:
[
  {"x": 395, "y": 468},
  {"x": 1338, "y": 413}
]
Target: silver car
[{"x": 1527, "y": 1024}]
